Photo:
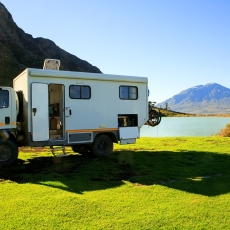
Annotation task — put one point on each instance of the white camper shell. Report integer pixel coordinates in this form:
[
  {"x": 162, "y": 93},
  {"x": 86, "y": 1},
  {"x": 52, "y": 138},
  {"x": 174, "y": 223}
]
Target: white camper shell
[{"x": 87, "y": 111}]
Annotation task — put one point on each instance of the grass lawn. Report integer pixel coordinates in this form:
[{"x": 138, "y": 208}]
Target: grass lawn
[{"x": 158, "y": 183}]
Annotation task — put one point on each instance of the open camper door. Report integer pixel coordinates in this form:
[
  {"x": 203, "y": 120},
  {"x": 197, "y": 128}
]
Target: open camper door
[{"x": 39, "y": 113}]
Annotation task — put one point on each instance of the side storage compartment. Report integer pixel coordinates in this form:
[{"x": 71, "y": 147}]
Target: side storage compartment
[
  {"x": 128, "y": 135},
  {"x": 127, "y": 120}
]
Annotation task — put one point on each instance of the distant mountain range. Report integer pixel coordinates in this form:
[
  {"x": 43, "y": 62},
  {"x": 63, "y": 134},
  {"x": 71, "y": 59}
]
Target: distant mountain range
[
  {"x": 19, "y": 50},
  {"x": 203, "y": 99}
]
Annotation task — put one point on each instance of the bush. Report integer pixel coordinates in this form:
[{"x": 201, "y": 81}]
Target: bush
[{"x": 225, "y": 132}]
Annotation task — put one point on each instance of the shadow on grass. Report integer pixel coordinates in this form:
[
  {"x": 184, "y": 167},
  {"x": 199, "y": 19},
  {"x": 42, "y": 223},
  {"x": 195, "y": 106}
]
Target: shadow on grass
[{"x": 202, "y": 173}]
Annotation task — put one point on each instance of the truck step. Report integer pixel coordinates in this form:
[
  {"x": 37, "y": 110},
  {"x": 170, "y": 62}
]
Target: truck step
[{"x": 59, "y": 148}]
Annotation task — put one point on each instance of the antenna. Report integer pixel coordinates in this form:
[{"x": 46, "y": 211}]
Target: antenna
[{"x": 51, "y": 64}]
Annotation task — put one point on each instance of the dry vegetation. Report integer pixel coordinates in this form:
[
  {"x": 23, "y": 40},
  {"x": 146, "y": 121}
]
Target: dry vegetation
[
  {"x": 169, "y": 113},
  {"x": 225, "y": 132}
]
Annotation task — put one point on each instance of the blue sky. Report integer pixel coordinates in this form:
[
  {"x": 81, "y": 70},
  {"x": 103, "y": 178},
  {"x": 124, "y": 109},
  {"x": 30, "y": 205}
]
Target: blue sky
[{"x": 177, "y": 44}]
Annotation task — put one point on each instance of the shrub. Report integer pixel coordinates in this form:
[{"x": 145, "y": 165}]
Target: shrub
[{"x": 225, "y": 132}]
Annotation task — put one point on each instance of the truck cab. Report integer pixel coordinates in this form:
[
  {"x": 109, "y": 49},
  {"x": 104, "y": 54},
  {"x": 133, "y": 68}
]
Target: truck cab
[{"x": 9, "y": 109}]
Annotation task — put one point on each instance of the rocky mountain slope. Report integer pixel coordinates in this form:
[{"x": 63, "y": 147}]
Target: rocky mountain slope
[
  {"x": 19, "y": 50},
  {"x": 203, "y": 99}
]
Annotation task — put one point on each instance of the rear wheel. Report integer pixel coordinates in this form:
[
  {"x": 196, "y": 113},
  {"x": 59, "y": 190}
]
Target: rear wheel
[
  {"x": 8, "y": 152},
  {"x": 102, "y": 146}
]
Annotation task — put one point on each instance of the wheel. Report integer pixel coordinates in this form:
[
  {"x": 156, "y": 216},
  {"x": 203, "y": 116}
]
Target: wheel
[
  {"x": 8, "y": 152},
  {"x": 154, "y": 117},
  {"x": 102, "y": 146}
]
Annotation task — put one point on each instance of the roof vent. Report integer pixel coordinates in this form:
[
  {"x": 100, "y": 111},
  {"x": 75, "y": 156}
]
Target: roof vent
[{"x": 51, "y": 64}]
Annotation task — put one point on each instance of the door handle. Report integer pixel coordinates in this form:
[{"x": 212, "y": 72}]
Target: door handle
[
  {"x": 34, "y": 111},
  {"x": 68, "y": 112}
]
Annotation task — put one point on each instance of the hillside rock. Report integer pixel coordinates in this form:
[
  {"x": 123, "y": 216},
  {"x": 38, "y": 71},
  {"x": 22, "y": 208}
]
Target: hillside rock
[
  {"x": 203, "y": 99},
  {"x": 19, "y": 50}
]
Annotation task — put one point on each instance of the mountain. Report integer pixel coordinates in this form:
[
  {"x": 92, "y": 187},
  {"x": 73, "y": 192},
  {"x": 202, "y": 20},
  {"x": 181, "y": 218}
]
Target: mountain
[
  {"x": 19, "y": 50},
  {"x": 203, "y": 99}
]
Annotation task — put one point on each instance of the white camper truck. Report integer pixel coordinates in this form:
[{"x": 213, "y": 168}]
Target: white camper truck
[{"x": 87, "y": 111}]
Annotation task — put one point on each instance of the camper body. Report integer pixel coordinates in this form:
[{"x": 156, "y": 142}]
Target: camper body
[{"x": 86, "y": 111}]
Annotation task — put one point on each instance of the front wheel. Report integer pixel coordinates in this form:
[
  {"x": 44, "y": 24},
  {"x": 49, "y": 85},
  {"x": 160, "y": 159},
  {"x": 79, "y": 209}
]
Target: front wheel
[
  {"x": 102, "y": 146},
  {"x": 8, "y": 152}
]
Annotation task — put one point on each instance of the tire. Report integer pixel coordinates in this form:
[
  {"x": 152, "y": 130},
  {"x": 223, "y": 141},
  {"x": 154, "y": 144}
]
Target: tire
[
  {"x": 102, "y": 146},
  {"x": 154, "y": 118},
  {"x": 8, "y": 152}
]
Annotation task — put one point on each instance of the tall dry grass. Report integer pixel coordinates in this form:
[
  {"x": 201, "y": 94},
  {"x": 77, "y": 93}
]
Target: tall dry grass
[{"x": 225, "y": 132}]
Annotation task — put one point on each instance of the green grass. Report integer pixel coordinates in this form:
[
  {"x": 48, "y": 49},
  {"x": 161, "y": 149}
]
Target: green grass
[{"x": 159, "y": 183}]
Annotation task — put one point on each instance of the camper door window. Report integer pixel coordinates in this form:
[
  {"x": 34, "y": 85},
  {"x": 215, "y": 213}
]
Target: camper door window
[
  {"x": 80, "y": 92},
  {"x": 4, "y": 99},
  {"x": 128, "y": 92}
]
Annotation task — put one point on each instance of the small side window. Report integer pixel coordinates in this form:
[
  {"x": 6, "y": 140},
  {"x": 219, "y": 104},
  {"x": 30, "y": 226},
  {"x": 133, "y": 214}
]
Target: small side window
[
  {"x": 128, "y": 92},
  {"x": 80, "y": 92},
  {"x": 4, "y": 99}
]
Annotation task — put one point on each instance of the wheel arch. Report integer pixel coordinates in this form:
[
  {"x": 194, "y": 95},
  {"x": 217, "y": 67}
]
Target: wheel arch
[
  {"x": 13, "y": 138},
  {"x": 111, "y": 135}
]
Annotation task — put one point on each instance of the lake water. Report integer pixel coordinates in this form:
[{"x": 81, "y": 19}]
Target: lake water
[{"x": 185, "y": 126}]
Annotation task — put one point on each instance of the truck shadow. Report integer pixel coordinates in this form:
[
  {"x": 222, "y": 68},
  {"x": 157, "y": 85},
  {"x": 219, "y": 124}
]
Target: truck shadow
[{"x": 204, "y": 173}]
